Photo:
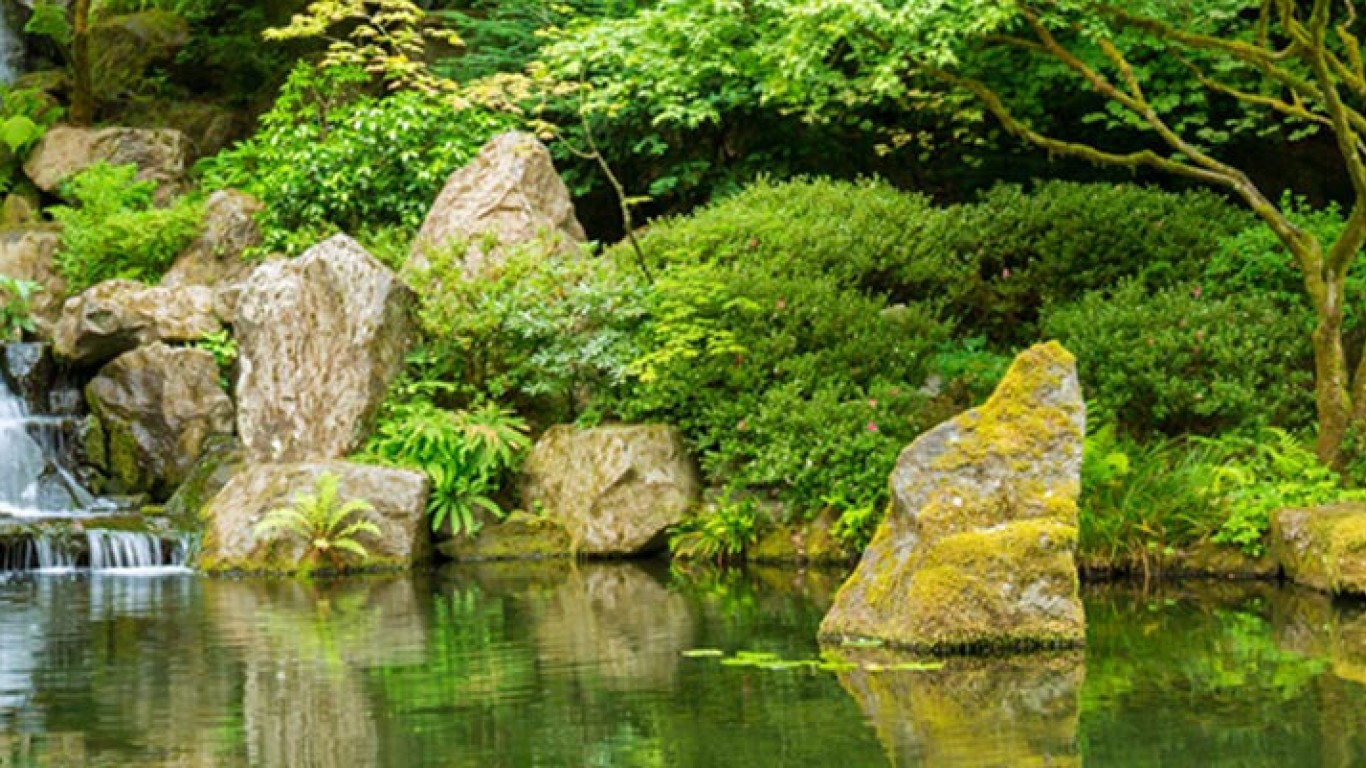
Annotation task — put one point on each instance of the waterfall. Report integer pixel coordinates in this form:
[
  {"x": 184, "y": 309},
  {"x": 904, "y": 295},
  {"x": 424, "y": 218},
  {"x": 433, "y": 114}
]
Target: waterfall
[
  {"x": 21, "y": 457},
  {"x": 134, "y": 551},
  {"x": 11, "y": 45}
]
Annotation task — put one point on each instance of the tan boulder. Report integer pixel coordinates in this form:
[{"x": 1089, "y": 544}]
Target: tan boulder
[
  {"x": 320, "y": 338},
  {"x": 1323, "y": 548},
  {"x": 978, "y": 549},
  {"x": 160, "y": 155},
  {"x": 28, "y": 253},
  {"x": 215, "y": 258},
  {"x": 616, "y": 489},
  {"x": 509, "y": 195},
  {"x": 157, "y": 406},
  {"x": 231, "y": 543},
  {"x": 118, "y": 315}
]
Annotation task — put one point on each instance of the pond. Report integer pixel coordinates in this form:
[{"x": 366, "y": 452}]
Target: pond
[{"x": 616, "y": 665}]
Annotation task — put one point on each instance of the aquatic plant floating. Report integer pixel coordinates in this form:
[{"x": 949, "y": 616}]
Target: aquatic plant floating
[{"x": 827, "y": 663}]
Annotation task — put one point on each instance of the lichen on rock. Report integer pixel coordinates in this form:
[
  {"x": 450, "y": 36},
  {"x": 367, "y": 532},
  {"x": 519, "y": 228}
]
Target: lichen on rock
[{"x": 978, "y": 549}]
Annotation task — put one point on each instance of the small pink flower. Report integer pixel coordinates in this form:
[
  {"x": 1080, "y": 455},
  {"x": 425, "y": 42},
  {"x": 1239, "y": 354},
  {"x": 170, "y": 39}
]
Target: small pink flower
[
  {"x": 743, "y": 425},
  {"x": 782, "y": 304},
  {"x": 1005, "y": 273},
  {"x": 872, "y": 403},
  {"x": 872, "y": 426}
]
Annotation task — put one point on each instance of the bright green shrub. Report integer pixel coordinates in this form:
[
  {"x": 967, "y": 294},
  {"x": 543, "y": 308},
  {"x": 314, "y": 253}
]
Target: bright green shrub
[
  {"x": 328, "y": 156},
  {"x": 722, "y": 534},
  {"x": 113, "y": 230},
  {"x": 16, "y": 309},
  {"x": 1181, "y": 362},
  {"x": 467, "y": 454}
]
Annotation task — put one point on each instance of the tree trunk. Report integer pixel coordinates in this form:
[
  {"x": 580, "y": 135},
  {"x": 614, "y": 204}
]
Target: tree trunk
[
  {"x": 83, "y": 96},
  {"x": 1332, "y": 381}
]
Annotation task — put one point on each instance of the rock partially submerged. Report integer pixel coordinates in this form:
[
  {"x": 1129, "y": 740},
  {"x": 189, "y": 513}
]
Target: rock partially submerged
[
  {"x": 508, "y": 196},
  {"x": 157, "y": 407},
  {"x": 977, "y": 551},
  {"x": 616, "y": 489},
  {"x": 1323, "y": 548},
  {"x": 231, "y": 543},
  {"x": 116, "y": 316},
  {"x": 320, "y": 338}
]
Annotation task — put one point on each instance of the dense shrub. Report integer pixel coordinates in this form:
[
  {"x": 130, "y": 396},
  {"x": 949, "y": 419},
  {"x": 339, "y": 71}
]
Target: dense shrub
[
  {"x": 329, "y": 156},
  {"x": 1180, "y": 362},
  {"x": 113, "y": 230},
  {"x": 999, "y": 261}
]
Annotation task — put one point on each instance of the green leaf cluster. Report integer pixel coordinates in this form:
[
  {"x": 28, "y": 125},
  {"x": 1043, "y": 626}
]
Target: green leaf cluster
[
  {"x": 16, "y": 317},
  {"x": 114, "y": 230},
  {"x": 324, "y": 524}
]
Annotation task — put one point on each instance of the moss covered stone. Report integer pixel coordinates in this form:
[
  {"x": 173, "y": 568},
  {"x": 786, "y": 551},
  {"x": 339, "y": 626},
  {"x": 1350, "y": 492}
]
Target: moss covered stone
[
  {"x": 808, "y": 542},
  {"x": 978, "y": 550},
  {"x": 520, "y": 537},
  {"x": 1322, "y": 548}
]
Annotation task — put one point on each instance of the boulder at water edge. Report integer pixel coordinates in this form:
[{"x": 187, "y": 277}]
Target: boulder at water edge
[
  {"x": 1322, "y": 548},
  {"x": 399, "y": 498},
  {"x": 977, "y": 551},
  {"x": 507, "y": 196},
  {"x": 320, "y": 338},
  {"x": 119, "y": 315},
  {"x": 160, "y": 155},
  {"x": 616, "y": 489},
  {"x": 157, "y": 407}
]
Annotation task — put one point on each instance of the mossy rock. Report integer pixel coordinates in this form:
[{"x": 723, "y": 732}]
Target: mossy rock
[
  {"x": 520, "y": 537},
  {"x": 1323, "y": 548},
  {"x": 221, "y": 460},
  {"x": 978, "y": 549},
  {"x": 808, "y": 542},
  {"x": 123, "y": 47}
]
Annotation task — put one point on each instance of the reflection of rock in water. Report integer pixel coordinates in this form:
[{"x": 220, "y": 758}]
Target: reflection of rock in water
[
  {"x": 617, "y": 621},
  {"x": 1018, "y": 710},
  {"x": 302, "y": 644},
  {"x": 1312, "y": 624}
]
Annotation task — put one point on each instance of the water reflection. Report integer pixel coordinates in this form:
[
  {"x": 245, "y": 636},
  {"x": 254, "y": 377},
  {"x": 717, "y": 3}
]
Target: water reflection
[
  {"x": 1018, "y": 710},
  {"x": 565, "y": 665}
]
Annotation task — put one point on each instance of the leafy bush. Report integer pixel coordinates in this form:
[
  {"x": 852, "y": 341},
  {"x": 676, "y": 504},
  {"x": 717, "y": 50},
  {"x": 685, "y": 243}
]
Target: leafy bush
[
  {"x": 721, "y": 534},
  {"x": 25, "y": 116},
  {"x": 15, "y": 313},
  {"x": 113, "y": 230},
  {"x": 322, "y": 524},
  {"x": 1181, "y": 362},
  {"x": 467, "y": 454},
  {"x": 330, "y": 157},
  {"x": 998, "y": 262}
]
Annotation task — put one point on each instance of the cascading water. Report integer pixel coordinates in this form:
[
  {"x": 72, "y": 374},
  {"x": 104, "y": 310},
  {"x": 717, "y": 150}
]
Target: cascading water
[
  {"x": 11, "y": 45},
  {"x": 48, "y": 520}
]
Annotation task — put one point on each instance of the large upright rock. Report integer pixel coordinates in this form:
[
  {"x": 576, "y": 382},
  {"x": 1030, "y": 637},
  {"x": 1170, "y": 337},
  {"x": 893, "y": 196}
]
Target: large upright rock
[
  {"x": 215, "y": 258},
  {"x": 118, "y": 315},
  {"x": 508, "y": 196},
  {"x": 231, "y": 542},
  {"x": 1323, "y": 548},
  {"x": 160, "y": 155},
  {"x": 320, "y": 339},
  {"x": 977, "y": 551},
  {"x": 158, "y": 406},
  {"x": 28, "y": 253},
  {"x": 616, "y": 489}
]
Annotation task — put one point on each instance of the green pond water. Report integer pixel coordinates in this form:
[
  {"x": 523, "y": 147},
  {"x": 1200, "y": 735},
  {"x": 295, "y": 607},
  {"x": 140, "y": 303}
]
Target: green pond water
[{"x": 599, "y": 666}]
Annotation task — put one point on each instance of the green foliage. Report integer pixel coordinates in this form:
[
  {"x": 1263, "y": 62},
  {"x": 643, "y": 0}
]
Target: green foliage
[
  {"x": 467, "y": 454},
  {"x": 324, "y": 525},
  {"x": 1000, "y": 261},
  {"x": 1179, "y": 361},
  {"x": 856, "y": 524},
  {"x": 223, "y": 346},
  {"x": 1273, "y": 470},
  {"x": 328, "y": 157},
  {"x": 1141, "y": 501},
  {"x": 15, "y": 311},
  {"x": 547, "y": 333},
  {"x": 114, "y": 231},
  {"x": 25, "y": 116},
  {"x": 49, "y": 20},
  {"x": 721, "y": 534}
]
